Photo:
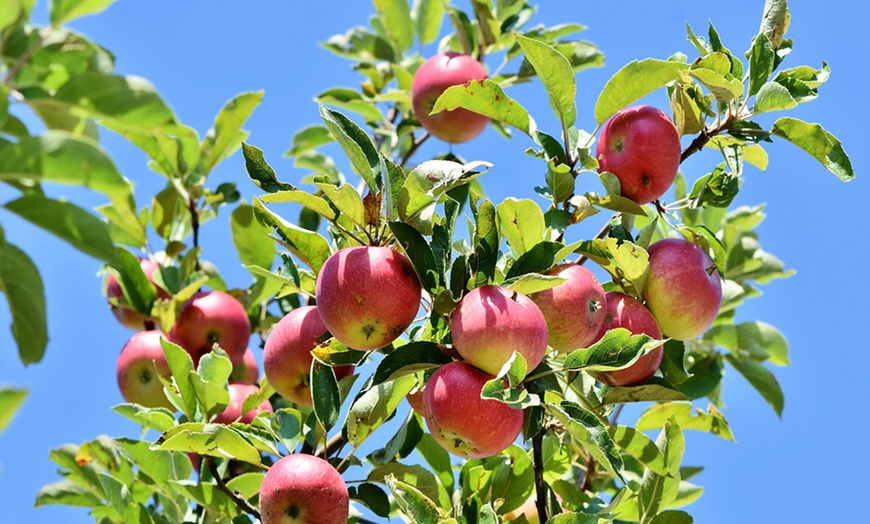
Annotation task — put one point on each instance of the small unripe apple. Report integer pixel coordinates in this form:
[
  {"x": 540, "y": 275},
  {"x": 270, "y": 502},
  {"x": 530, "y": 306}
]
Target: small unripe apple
[
  {"x": 641, "y": 146},
  {"x": 233, "y": 412},
  {"x": 209, "y": 318},
  {"x": 126, "y": 315},
  {"x": 624, "y": 311},
  {"x": 460, "y": 421},
  {"x": 367, "y": 296},
  {"x": 247, "y": 371},
  {"x": 431, "y": 80},
  {"x": 137, "y": 377},
  {"x": 491, "y": 322},
  {"x": 574, "y": 309},
  {"x": 287, "y": 354},
  {"x": 683, "y": 290},
  {"x": 305, "y": 489}
]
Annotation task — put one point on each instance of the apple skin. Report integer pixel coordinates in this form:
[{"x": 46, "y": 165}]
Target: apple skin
[
  {"x": 684, "y": 290},
  {"x": 137, "y": 379},
  {"x": 126, "y": 315},
  {"x": 287, "y": 354},
  {"x": 248, "y": 371},
  {"x": 233, "y": 412},
  {"x": 211, "y": 317},
  {"x": 460, "y": 421},
  {"x": 305, "y": 489},
  {"x": 641, "y": 146},
  {"x": 431, "y": 80},
  {"x": 626, "y": 312},
  {"x": 574, "y": 309},
  {"x": 491, "y": 322},
  {"x": 367, "y": 296}
]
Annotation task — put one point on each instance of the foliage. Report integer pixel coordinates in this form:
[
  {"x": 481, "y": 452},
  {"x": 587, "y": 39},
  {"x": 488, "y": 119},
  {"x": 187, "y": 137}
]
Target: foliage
[{"x": 583, "y": 465}]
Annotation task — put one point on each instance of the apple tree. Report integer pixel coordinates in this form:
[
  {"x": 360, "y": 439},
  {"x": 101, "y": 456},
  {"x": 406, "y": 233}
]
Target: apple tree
[{"x": 516, "y": 340}]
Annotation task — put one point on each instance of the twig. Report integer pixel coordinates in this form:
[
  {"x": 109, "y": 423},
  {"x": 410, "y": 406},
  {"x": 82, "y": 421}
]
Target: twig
[
  {"x": 601, "y": 234},
  {"x": 25, "y": 56},
  {"x": 413, "y": 149},
  {"x": 332, "y": 446},
  {"x": 540, "y": 486},
  {"x": 221, "y": 485}
]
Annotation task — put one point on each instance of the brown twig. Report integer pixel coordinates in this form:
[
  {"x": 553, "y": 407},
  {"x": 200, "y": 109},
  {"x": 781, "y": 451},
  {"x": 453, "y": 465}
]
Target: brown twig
[
  {"x": 413, "y": 149},
  {"x": 242, "y": 504},
  {"x": 540, "y": 486}
]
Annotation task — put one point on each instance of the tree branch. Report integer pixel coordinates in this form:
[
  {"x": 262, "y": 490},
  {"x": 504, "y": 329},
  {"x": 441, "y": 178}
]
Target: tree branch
[
  {"x": 242, "y": 504},
  {"x": 540, "y": 486},
  {"x": 413, "y": 149}
]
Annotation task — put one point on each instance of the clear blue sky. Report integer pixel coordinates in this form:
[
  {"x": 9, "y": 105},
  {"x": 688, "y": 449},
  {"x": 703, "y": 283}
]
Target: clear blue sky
[{"x": 809, "y": 465}]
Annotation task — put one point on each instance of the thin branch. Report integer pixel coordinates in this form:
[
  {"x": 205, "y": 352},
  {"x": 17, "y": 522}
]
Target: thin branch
[
  {"x": 540, "y": 486},
  {"x": 413, "y": 149},
  {"x": 601, "y": 234},
  {"x": 242, "y": 504},
  {"x": 332, "y": 446},
  {"x": 26, "y": 55},
  {"x": 591, "y": 463}
]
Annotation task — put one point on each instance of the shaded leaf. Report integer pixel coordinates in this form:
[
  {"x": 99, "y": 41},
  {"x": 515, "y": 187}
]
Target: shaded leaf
[
  {"x": 634, "y": 81},
  {"x": 21, "y": 283},
  {"x": 486, "y": 98}
]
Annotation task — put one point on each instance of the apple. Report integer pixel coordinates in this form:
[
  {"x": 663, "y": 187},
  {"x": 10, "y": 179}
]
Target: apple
[
  {"x": 137, "y": 377},
  {"x": 683, "y": 290},
  {"x": 305, "y": 489},
  {"x": 574, "y": 309},
  {"x": 367, "y": 296},
  {"x": 529, "y": 509},
  {"x": 433, "y": 78},
  {"x": 233, "y": 412},
  {"x": 415, "y": 399},
  {"x": 209, "y": 318},
  {"x": 621, "y": 310},
  {"x": 126, "y": 315},
  {"x": 460, "y": 421},
  {"x": 641, "y": 146},
  {"x": 491, "y": 322},
  {"x": 287, "y": 354},
  {"x": 247, "y": 371}
]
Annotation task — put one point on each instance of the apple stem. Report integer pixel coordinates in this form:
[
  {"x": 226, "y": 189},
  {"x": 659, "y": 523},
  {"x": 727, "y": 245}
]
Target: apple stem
[
  {"x": 222, "y": 486},
  {"x": 540, "y": 486}
]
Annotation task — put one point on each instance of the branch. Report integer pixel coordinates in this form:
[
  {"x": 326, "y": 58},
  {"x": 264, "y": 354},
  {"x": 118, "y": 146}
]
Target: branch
[
  {"x": 540, "y": 486},
  {"x": 332, "y": 446},
  {"x": 222, "y": 487},
  {"x": 413, "y": 149},
  {"x": 25, "y": 56}
]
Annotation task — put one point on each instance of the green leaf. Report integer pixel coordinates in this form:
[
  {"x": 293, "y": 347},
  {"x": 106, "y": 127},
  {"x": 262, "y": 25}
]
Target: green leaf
[
  {"x": 773, "y": 96},
  {"x": 11, "y": 400},
  {"x": 541, "y": 257},
  {"x": 374, "y": 406},
  {"x": 774, "y": 22},
  {"x": 351, "y": 100},
  {"x": 214, "y": 440},
  {"x": 762, "y": 59},
  {"x": 625, "y": 261},
  {"x": 67, "y": 493},
  {"x": 658, "y": 491},
  {"x": 427, "y": 16},
  {"x": 347, "y": 200},
  {"x": 654, "y": 390},
  {"x": 486, "y": 244},
  {"x": 62, "y": 11},
  {"x": 260, "y": 172},
  {"x": 251, "y": 238},
  {"x": 409, "y": 359},
  {"x": 438, "y": 459},
  {"x": 287, "y": 425},
  {"x": 521, "y": 222},
  {"x": 127, "y": 101},
  {"x": 532, "y": 283},
  {"x": 21, "y": 283},
  {"x": 357, "y": 146},
  {"x": 181, "y": 366},
  {"x": 634, "y": 81},
  {"x": 325, "y": 395},
  {"x": 640, "y": 447},
  {"x": 359, "y": 43},
  {"x": 711, "y": 421},
  {"x": 158, "y": 419},
  {"x": 311, "y": 248},
  {"x": 309, "y": 201},
  {"x": 396, "y": 18},
  {"x": 489, "y": 99},
  {"x": 427, "y": 183},
  {"x": 308, "y": 138},
  {"x": 210, "y": 382},
  {"x": 757, "y": 339},
  {"x": 672, "y": 516},
  {"x": 590, "y": 433},
  {"x": 617, "y": 349},
  {"x": 820, "y": 144},
  {"x": 225, "y": 136},
  {"x": 412, "y": 502},
  {"x": 372, "y": 497},
  {"x": 419, "y": 253},
  {"x": 138, "y": 289},
  {"x": 556, "y": 74},
  {"x": 721, "y": 86},
  {"x": 761, "y": 379}
]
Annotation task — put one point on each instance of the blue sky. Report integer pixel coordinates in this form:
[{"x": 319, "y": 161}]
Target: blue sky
[{"x": 199, "y": 54}]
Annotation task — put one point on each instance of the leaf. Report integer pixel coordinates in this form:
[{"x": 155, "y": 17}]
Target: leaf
[
  {"x": 210, "y": 382},
  {"x": 21, "y": 283},
  {"x": 11, "y": 400},
  {"x": 412, "y": 502},
  {"x": 419, "y": 253},
  {"x": 640, "y": 447},
  {"x": 774, "y": 22},
  {"x": 309, "y": 201},
  {"x": 396, "y": 18},
  {"x": 757, "y": 339},
  {"x": 357, "y": 146},
  {"x": 711, "y": 421},
  {"x": 214, "y": 440},
  {"x": 427, "y": 16},
  {"x": 374, "y": 406},
  {"x": 251, "y": 238},
  {"x": 556, "y": 74},
  {"x": 438, "y": 459},
  {"x": 260, "y": 172},
  {"x": 138, "y": 289},
  {"x": 532, "y": 283},
  {"x": 225, "y": 135},
  {"x": 372, "y": 497},
  {"x": 820, "y": 144},
  {"x": 721, "y": 86},
  {"x": 658, "y": 491},
  {"x": 67, "y": 493},
  {"x": 158, "y": 419},
  {"x": 634, "y": 81},
  {"x": 761, "y": 379},
  {"x": 409, "y": 359},
  {"x": 62, "y": 11},
  {"x": 308, "y": 138},
  {"x": 762, "y": 59},
  {"x": 590, "y": 433},
  {"x": 427, "y": 183},
  {"x": 486, "y": 244},
  {"x": 311, "y": 248},
  {"x": 181, "y": 366},
  {"x": 325, "y": 395},
  {"x": 486, "y": 98},
  {"x": 129, "y": 102},
  {"x": 521, "y": 222},
  {"x": 672, "y": 516},
  {"x": 348, "y": 202},
  {"x": 654, "y": 390},
  {"x": 625, "y": 261},
  {"x": 617, "y": 349}
]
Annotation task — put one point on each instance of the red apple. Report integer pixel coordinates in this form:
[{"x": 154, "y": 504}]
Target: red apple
[
  {"x": 623, "y": 311},
  {"x": 233, "y": 412},
  {"x": 367, "y": 296},
  {"x": 415, "y": 399},
  {"x": 491, "y": 322},
  {"x": 287, "y": 355},
  {"x": 137, "y": 377},
  {"x": 126, "y": 315},
  {"x": 247, "y": 371},
  {"x": 641, "y": 146},
  {"x": 683, "y": 291},
  {"x": 574, "y": 309},
  {"x": 209, "y": 318},
  {"x": 303, "y": 489},
  {"x": 460, "y": 421},
  {"x": 433, "y": 78}
]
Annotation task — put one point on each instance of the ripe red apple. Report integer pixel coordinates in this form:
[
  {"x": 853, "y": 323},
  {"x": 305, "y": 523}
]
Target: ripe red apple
[
  {"x": 137, "y": 378},
  {"x": 460, "y": 421},
  {"x": 247, "y": 371},
  {"x": 287, "y": 355},
  {"x": 491, "y": 322},
  {"x": 126, "y": 315},
  {"x": 233, "y": 412},
  {"x": 683, "y": 291},
  {"x": 574, "y": 309},
  {"x": 433, "y": 78},
  {"x": 621, "y": 310},
  {"x": 303, "y": 489},
  {"x": 209, "y": 318},
  {"x": 641, "y": 146},
  {"x": 367, "y": 296}
]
